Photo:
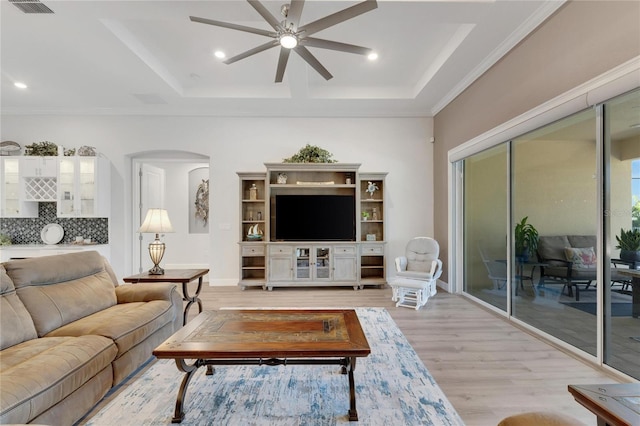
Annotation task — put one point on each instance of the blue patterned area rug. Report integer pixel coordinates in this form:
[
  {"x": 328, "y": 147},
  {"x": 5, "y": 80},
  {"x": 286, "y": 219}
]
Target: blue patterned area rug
[{"x": 393, "y": 387}]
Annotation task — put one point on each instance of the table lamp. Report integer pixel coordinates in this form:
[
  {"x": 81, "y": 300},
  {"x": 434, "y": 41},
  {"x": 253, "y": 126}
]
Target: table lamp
[{"x": 156, "y": 222}]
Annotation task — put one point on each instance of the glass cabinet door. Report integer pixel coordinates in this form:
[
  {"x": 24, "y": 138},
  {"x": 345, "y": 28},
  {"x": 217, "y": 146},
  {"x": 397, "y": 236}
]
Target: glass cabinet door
[
  {"x": 66, "y": 186},
  {"x": 323, "y": 263},
  {"x": 303, "y": 263},
  {"x": 86, "y": 186},
  {"x": 11, "y": 187}
]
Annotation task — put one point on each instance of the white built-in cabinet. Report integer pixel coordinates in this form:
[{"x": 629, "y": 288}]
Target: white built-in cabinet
[
  {"x": 269, "y": 263},
  {"x": 13, "y": 200},
  {"x": 83, "y": 187},
  {"x": 79, "y": 185}
]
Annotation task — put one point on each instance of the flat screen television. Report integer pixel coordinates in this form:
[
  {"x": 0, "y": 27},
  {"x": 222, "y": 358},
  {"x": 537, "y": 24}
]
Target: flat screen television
[{"x": 315, "y": 218}]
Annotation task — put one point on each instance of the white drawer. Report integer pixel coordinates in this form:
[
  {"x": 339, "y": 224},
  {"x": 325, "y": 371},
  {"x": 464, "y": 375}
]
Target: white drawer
[
  {"x": 345, "y": 250},
  {"x": 275, "y": 250},
  {"x": 372, "y": 249},
  {"x": 253, "y": 250}
]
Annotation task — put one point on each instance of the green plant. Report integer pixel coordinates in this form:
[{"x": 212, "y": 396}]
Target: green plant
[
  {"x": 629, "y": 240},
  {"x": 365, "y": 215},
  {"x": 526, "y": 237},
  {"x": 311, "y": 154},
  {"x": 42, "y": 149}
]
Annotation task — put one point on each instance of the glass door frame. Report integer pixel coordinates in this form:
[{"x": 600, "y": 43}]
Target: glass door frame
[{"x": 510, "y": 130}]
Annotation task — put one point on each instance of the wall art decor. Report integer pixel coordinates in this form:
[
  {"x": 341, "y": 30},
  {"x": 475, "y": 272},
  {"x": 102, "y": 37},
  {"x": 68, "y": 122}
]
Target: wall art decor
[{"x": 199, "y": 201}]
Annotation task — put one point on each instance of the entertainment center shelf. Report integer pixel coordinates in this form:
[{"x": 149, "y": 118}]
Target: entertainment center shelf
[{"x": 311, "y": 225}]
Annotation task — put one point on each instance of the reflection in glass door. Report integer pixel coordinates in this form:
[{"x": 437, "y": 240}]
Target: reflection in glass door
[
  {"x": 554, "y": 187},
  {"x": 622, "y": 216},
  {"x": 486, "y": 226}
]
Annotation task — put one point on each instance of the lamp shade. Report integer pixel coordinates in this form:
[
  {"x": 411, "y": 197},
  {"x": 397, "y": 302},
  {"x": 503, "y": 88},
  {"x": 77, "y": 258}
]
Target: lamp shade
[{"x": 156, "y": 222}]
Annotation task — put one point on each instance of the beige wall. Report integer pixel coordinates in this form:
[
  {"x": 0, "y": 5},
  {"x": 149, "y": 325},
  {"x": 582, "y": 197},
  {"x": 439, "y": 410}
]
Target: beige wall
[{"x": 579, "y": 42}]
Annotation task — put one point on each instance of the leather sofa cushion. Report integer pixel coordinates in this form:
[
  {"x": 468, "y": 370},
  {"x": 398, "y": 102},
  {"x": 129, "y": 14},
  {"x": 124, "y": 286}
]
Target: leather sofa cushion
[
  {"x": 127, "y": 324},
  {"x": 58, "y": 290},
  {"x": 39, "y": 373},
  {"x": 17, "y": 325}
]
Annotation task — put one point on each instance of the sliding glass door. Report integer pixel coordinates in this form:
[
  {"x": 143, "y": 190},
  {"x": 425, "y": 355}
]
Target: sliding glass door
[
  {"x": 554, "y": 191},
  {"x": 542, "y": 215},
  {"x": 486, "y": 226},
  {"x": 621, "y": 119}
]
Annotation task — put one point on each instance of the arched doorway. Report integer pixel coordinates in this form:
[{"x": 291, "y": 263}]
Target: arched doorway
[{"x": 161, "y": 179}]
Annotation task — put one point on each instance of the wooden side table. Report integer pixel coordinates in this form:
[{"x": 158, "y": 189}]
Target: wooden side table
[
  {"x": 183, "y": 276},
  {"x": 613, "y": 404}
]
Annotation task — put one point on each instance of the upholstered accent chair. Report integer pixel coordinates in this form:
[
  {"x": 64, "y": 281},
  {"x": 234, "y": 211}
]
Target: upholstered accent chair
[{"x": 417, "y": 273}]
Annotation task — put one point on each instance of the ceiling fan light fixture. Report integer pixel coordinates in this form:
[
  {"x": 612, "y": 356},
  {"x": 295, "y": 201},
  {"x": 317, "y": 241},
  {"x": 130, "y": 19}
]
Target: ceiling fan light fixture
[
  {"x": 288, "y": 41},
  {"x": 372, "y": 56},
  {"x": 219, "y": 54}
]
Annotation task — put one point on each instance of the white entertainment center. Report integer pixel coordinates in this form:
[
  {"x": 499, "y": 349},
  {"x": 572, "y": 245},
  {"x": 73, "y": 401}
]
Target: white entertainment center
[{"x": 347, "y": 248}]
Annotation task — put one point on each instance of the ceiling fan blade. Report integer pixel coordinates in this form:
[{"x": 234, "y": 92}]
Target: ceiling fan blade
[
  {"x": 282, "y": 63},
  {"x": 233, "y": 26},
  {"x": 295, "y": 11},
  {"x": 265, "y": 14},
  {"x": 336, "y": 18},
  {"x": 335, "y": 45},
  {"x": 261, "y": 48},
  {"x": 311, "y": 60}
]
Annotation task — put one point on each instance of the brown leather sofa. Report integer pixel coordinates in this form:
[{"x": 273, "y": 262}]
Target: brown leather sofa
[{"x": 69, "y": 333}]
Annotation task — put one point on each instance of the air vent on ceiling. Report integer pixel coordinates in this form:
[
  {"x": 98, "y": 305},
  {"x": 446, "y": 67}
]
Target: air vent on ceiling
[{"x": 31, "y": 6}]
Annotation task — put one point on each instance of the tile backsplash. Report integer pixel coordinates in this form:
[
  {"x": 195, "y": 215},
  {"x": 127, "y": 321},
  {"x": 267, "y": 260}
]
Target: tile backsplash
[{"x": 27, "y": 230}]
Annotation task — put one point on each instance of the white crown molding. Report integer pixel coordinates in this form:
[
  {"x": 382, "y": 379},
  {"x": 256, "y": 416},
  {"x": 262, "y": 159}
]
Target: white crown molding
[{"x": 543, "y": 12}]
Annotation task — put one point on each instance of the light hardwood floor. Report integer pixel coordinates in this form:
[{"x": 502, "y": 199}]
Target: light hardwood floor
[{"x": 488, "y": 368}]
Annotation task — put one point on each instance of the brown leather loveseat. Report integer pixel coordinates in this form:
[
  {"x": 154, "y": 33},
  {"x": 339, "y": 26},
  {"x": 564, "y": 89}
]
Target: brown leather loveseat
[{"x": 69, "y": 333}]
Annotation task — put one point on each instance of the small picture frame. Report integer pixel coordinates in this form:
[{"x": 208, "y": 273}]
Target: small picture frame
[{"x": 371, "y": 237}]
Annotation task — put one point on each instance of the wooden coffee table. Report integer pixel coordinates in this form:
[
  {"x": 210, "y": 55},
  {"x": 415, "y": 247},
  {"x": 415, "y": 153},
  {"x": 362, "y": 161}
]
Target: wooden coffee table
[
  {"x": 183, "y": 276},
  {"x": 267, "y": 337}
]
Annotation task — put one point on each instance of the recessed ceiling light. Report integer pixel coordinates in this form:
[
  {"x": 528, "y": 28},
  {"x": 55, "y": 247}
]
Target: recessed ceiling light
[
  {"x": 372, "y": 56},
  {"x": 20, "y": 85},
  {"x": 219, "y": 54}
]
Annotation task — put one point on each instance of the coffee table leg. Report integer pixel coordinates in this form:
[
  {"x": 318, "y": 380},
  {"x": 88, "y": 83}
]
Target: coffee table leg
[
  {"x": 191, "y": 299},
  {"x": 353, "y": 412},
  {"x": 188, "y": 369}
]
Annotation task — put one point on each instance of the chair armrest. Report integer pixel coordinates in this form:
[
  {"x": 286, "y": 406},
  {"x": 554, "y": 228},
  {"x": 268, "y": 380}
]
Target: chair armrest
[
  {"x": 401, "y": 263},
  {"x": 436, "y": 269},
  {"x": 145, "y": 292}
]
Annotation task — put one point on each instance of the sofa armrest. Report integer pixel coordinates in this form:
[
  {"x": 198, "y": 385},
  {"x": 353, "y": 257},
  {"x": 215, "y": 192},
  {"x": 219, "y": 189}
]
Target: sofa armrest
[{"x": 145, "y": 292}]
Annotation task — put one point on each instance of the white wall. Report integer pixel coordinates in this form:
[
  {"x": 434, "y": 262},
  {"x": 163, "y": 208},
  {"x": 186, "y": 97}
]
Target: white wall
[{"x": 399, "y": 146}]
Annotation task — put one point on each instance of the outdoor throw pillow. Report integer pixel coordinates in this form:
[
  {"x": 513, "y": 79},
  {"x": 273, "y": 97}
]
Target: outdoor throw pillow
[{"x": 581, "y": 257}]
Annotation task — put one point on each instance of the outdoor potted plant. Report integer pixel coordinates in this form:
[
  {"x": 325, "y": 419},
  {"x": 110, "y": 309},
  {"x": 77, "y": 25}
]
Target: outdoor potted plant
[
  {"x": 526, "y": 238},
  {"x": 629, "y": 245}
]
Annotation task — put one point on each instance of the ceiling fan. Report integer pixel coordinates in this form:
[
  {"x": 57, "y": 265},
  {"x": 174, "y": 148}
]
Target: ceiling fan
[{"x": 289, "y": 35}]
